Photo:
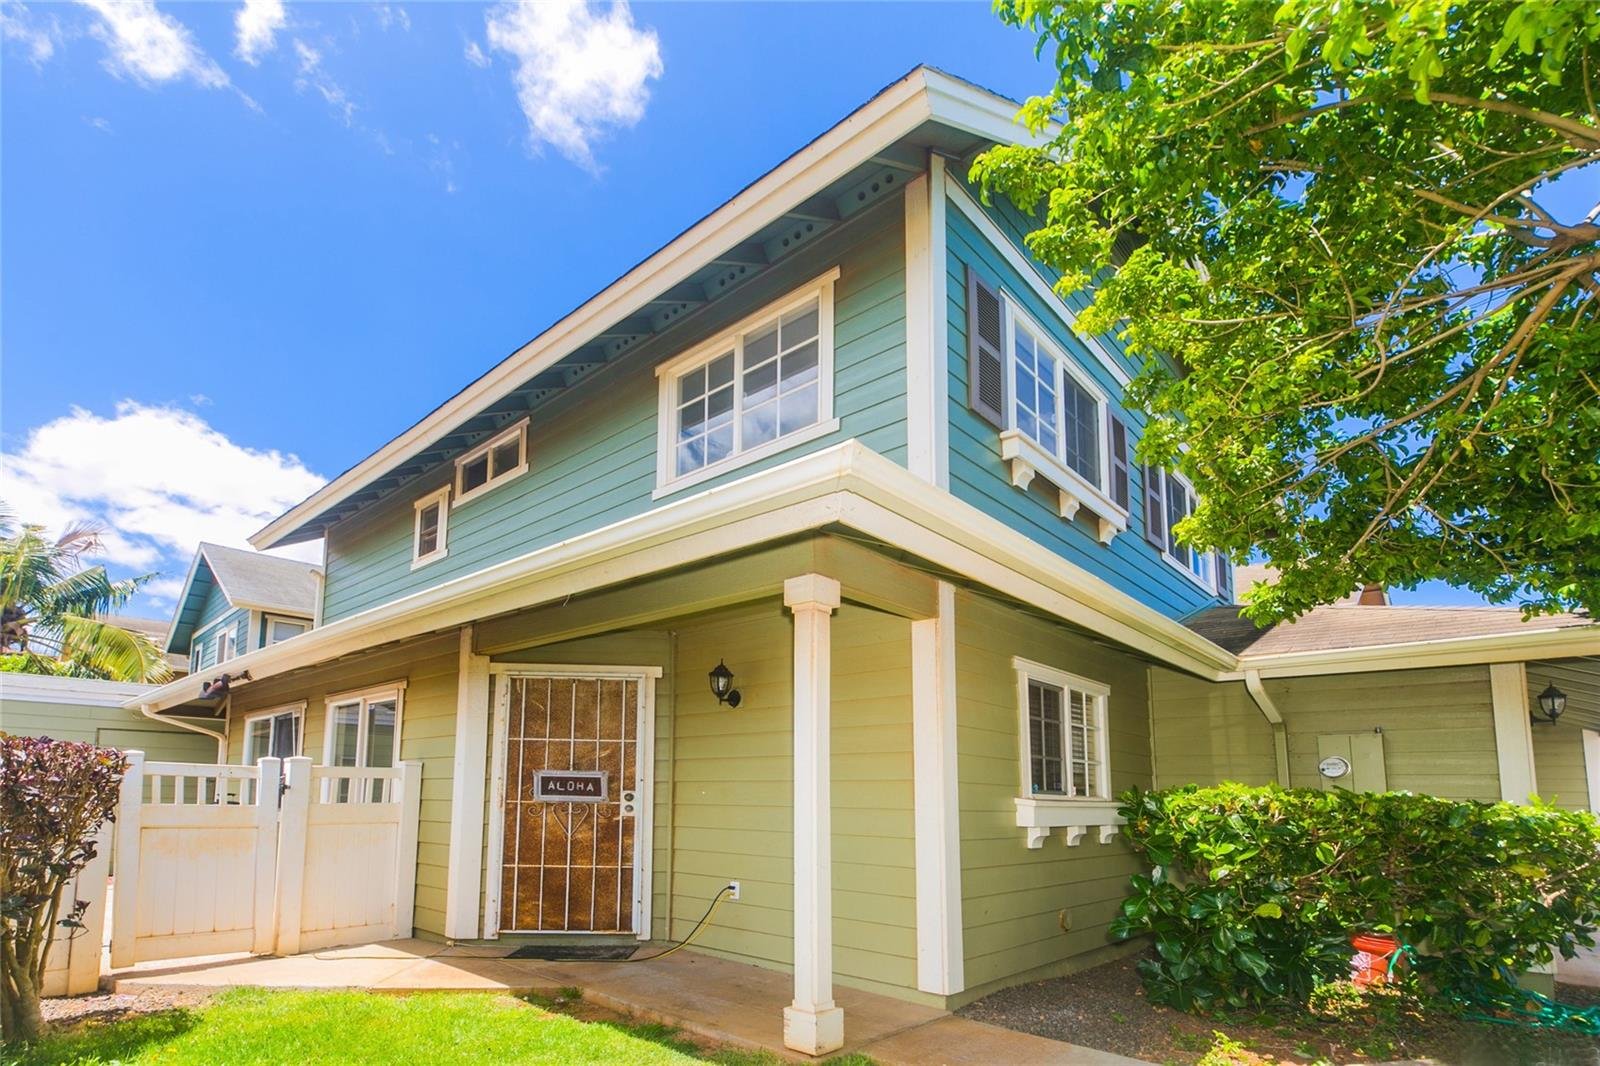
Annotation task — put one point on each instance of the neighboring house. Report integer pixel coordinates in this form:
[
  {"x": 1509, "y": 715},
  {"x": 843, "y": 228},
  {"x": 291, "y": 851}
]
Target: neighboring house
[
  {"x": 234, "y": 602},
  {"x": 72, "y": 708},
  {"x": 155, "y": 630},
  {"x": 842, "y": 439}
]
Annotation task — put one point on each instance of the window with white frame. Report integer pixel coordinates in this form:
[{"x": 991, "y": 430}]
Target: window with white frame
[
  {"x": 761, "y": 386},
  {"x": 500, "y": 459},
  {"x": 1064, "y": 739},
  {"x": 428, "y": 528},
  {"x": 1172, "y": 499},
  {"x": 281, "y": 629},
  {"x": 227, "y": 644},
  {"x": 1054, "y": 403},
  {"x": 363, "y": 730},
  {"x": 273, "y": 733},
  {"x": 194, "y": 659}
]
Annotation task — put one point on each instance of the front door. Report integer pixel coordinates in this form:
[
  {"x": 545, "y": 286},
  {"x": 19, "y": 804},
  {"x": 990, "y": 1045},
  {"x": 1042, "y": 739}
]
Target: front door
[{"x": 573, "y": 797}]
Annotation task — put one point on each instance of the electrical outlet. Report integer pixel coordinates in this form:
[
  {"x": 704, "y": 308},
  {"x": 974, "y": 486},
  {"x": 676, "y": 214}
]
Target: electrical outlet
[{"x": 734, "y": 895}]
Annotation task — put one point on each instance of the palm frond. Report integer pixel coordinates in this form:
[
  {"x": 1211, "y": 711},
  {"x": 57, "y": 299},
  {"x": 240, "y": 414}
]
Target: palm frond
[{"x": 119, "y": 654}]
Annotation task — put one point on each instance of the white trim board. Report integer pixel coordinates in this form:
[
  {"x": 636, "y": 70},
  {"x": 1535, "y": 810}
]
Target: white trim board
[{"x": 921, "y": 96}]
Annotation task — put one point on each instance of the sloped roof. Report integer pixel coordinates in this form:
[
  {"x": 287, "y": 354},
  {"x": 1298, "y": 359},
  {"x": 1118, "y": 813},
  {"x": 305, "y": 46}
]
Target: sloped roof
[
  {"x": 246, "y": 579},
  {"x": 1351, "y": 626}
]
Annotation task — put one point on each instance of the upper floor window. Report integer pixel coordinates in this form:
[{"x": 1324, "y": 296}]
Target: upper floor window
[
  {"x": 1063, "y": 720},
  {"x": 227, "y": 644},
  {"x": 429, "y": 528},
  {"x": 1054, "y": 421},
  {"x": 764, "y": 385},
  {"x": 281, "y": 629},
  {"x": 1169, "y": 499},
  {"x": 501, "y": 458}
]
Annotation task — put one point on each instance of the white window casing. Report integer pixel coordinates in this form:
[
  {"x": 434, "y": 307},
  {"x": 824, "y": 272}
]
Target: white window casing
[
  {"x": 259, "y": 743},
  {"x": 733, "y": 407},
  {"x": 1080, "y": 750},
  {"x": 1043, "y": 431},
  {"x": 281, "y": 628},
  {"x": 1199, "y": 567},
  {"x": 361, "y": 710},
  {"x": 227, "y": 643},
  {"x": 429, "y": 543},
  {"x": 494, "y": 461}
]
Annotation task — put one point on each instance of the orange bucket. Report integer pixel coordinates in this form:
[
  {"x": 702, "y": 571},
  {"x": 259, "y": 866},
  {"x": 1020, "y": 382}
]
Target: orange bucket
[{"x": 1370, "y": 964}]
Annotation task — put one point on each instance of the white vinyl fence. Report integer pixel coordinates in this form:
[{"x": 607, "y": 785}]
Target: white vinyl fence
[{"x": 276, "y": 858}]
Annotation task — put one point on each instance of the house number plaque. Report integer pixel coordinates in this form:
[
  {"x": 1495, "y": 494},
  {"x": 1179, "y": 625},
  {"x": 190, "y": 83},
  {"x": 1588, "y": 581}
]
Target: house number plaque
[{"x": 570, "y": 786}]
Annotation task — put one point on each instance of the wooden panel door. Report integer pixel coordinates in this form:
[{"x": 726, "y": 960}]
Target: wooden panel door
[{"x": 570, "y": 866}]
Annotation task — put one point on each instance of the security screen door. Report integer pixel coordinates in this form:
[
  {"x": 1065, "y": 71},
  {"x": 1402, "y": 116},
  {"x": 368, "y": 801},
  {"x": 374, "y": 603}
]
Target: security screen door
[{"x": 571, "y": 804}]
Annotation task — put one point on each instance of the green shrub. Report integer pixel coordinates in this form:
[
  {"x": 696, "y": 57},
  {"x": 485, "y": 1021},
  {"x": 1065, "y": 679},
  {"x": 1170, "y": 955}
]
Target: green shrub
[{"x": 1254, "y": 892}]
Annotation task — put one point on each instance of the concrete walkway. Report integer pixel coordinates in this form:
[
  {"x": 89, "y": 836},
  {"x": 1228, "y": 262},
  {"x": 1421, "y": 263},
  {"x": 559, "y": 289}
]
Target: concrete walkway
[{"x": 729, "y": 1002}]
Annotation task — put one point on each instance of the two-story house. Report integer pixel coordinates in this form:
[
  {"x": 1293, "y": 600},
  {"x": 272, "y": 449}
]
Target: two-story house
[{"x": 811, "y": 554}]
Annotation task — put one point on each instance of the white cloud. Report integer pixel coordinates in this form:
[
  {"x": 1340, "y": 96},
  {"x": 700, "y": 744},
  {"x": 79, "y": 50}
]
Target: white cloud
[
  {"x": 158, "y": 479},
  {"x": 475, "y": 55},
  {"x": 580, "y": 70},
  {"x": 313, "y": 76},
  {"x": 390, "y": 17},
  {"x": 37, "y": 36},
  {"x": 255, "y": 26},
  {"x": 99, "y": 123},
  {"x": 149, "y": 46}
]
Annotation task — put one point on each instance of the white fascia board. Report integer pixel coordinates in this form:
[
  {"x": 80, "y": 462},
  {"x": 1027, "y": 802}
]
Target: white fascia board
[
  {"x": 1572, "y": 642},
  {"x": 922, "y": 95},
  {"x": 845, "y": 483},
  {"x": 893, "y": 114}
]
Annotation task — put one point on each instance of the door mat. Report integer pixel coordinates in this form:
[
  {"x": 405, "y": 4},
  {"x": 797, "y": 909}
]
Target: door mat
[{"x": 575, "y": 952}]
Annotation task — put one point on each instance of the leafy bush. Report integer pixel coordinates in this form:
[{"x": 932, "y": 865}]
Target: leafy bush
[
  {"x": 1254, "y": 892},
  {"x": 54, "y": 794}
]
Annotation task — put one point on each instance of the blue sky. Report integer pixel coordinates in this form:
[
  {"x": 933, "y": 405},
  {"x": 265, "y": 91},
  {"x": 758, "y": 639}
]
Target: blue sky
[{"x": 245, "y": 246}]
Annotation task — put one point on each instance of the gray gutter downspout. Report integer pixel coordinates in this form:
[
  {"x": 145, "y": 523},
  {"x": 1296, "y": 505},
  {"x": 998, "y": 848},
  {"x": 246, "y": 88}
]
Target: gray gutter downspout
[
  {"x": 222, "y": 741},
  {"x": 1269, "y": 710}
]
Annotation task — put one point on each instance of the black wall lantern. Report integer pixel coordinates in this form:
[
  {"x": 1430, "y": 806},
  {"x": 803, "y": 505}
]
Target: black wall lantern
[
  {"x": 722, "y": 685},
  {"x": 1552, "y": 701}
]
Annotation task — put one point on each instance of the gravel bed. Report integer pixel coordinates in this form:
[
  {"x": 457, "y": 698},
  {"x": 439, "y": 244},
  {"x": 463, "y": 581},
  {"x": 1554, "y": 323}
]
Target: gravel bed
[{"x": 109, "y": 1006}]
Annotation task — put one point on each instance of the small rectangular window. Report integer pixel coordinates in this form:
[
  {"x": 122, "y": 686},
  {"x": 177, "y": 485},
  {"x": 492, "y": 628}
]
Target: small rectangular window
[
  {"x": 765, "y": 384},
  {"x": 281, "y": 629},
  {"x": 275, "y": 734},
  {"x": 1171, "y": 493},
  {"x": 500, "y": 459},
  {"x": 431, "y": 521},
  {"x": 363, "y": 730},
  {"x": 227, "y": 644},
  {"x": 1065, "y": 733}
]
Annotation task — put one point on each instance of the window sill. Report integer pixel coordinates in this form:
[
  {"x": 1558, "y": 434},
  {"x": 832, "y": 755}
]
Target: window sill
[
  {"x": 418, "y": 564},
  {"x": 1027, "y": 460},
  {"x": 734, "y": 462},
  {"x": 1041, "y": 814},
  {"x": 1181, "y": 567}
]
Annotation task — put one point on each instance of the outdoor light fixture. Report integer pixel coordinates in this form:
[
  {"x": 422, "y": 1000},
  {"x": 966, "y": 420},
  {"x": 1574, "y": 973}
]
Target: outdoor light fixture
[
  {"x": 1552, "y": 701},
  {"x": 722, "y": 685}
]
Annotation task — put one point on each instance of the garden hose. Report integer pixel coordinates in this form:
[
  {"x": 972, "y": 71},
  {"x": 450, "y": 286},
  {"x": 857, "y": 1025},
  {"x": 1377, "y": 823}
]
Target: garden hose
[
  {"x": 1511, "y": 1004},
  {"x": 716, "y": 902}
]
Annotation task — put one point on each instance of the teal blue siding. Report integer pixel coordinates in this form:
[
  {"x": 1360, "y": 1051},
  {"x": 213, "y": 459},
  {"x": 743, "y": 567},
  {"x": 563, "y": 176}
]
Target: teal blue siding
[
  {"x": 978, "y": 475},
  {"x": 205, "y": 636},
  {"x": 592, "y": 453}
]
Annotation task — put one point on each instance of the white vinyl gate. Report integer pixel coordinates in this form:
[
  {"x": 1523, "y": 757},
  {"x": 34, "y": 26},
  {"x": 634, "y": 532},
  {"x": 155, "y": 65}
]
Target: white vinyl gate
[{"x": 275, "y": 858}]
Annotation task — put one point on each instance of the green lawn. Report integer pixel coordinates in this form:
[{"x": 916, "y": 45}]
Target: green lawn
[{"x": 256, "y": 1026}]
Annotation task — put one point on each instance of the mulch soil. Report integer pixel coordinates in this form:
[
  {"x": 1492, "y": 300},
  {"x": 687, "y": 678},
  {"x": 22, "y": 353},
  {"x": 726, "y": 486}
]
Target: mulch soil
[
  {"x": 1106, "y": 1008},
  {"x": 66, "y": 1011}
]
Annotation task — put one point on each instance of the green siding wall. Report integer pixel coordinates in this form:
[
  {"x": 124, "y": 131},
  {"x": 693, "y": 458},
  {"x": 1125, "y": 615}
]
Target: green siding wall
[
  {"x": 1559, "y": 765},
  {"x": 1016, "y": 900},
  {"x": 427, "y": 735},
  {"x": 1438, "y": 728},
  {"x": 592, "y": 453},
  {"x": 979, "y": 476},
  {"x": 205, "y": 636},
  {"x": 113, "y": 727}
]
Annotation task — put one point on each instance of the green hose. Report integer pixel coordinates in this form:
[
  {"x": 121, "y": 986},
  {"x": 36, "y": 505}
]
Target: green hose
[{"x": 1509, "y": 1003}]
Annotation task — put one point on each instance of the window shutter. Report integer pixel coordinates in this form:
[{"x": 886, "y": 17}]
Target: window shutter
[
  {"x": 986, "y": 364},
  {"x": 1224, "y": 579},
  {"x": 1117, "y": 430},
  {"x": 1155, "y": 509}
]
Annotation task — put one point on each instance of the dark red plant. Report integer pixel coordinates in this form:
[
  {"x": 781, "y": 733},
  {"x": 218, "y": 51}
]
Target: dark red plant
[{"x": 54, "y": 795}]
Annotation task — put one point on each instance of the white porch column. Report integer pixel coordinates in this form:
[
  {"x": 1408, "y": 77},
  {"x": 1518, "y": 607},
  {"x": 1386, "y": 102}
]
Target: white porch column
[
  {"x": 812, "y": 1023},
  {"x": 940, "y": 965},
  {"x": 464, "y": 878},
  {"x": 1513, "y": 735}
]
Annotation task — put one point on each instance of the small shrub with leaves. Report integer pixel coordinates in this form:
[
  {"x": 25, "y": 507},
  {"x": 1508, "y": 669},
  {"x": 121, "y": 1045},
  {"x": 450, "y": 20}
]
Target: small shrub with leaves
[
  {"x": 1254, "y": 892},
  {"x": 54, "y": 794}
]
